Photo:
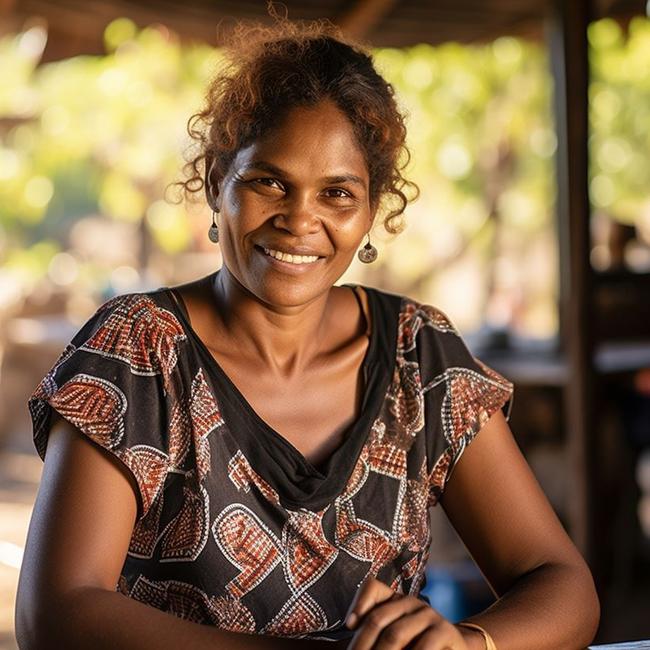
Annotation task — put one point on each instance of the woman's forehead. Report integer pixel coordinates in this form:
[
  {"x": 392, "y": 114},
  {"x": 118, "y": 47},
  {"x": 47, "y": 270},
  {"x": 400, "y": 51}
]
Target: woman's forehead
[{"x": 316, "y": 138}]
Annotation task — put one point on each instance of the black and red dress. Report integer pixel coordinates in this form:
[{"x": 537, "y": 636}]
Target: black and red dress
[{"x": 235, "y": 528}]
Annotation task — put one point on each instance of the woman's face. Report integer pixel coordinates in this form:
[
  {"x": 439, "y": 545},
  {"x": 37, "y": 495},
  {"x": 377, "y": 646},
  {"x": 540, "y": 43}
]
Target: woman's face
[{"x": 301, "y": 190}]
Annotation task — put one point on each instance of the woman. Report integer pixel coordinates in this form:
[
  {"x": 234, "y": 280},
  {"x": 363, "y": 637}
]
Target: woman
[{"x": 251, "y": 456}]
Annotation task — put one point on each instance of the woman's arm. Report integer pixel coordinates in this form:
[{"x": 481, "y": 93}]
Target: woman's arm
[
  {"x": 547, "y": 597},
  {"x": 76, "y": 545}
]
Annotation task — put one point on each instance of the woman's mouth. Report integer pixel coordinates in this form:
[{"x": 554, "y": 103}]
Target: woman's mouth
[{"x": 289, "y": 258}]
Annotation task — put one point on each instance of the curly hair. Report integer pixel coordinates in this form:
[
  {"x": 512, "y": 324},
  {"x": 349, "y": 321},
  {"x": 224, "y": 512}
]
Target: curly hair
[{"x": 270, "y": 70}]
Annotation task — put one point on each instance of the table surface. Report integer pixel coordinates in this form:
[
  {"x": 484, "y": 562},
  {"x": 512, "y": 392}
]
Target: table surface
[{"x": 629, "y": 645}]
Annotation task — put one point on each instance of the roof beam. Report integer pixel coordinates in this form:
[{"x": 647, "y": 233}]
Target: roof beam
[{"x": 363, "y": 17}]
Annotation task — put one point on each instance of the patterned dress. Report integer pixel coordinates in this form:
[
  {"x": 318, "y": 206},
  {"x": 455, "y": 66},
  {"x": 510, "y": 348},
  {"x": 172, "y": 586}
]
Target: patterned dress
[{"x": 235, "y": 528}]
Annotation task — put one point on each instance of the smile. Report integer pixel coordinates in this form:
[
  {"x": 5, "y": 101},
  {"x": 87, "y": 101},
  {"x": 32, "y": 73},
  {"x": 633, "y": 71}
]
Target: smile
[{"x": 291, "y": 259}]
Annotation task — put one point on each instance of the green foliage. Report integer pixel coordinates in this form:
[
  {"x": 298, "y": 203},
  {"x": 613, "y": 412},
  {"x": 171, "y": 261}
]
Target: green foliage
[
  {"x": 105, "y": 134},
  {"x": 620, "y": 119},
  {"x": 467, "y": 107},
  {"x": 95, "y": 133}
]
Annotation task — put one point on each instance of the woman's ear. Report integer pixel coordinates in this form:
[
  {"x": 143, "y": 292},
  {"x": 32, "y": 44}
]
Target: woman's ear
[
  {"x": 373, "y": 213},
  {"x": 212, "y": 184}
]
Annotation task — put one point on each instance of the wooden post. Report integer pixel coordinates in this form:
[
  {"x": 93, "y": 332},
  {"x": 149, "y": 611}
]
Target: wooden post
[{"x": 568, "y": 45}]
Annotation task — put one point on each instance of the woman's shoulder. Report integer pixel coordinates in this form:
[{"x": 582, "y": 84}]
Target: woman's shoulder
[
  {"x": 140, "y": 312},
  {"x": 138, "y": 304},
  {"x": 414, "y": 313},
  {"x": 137, "y": 330},
  {"x": 426, "y": 331},
  {"x": 113, "y": 381}
]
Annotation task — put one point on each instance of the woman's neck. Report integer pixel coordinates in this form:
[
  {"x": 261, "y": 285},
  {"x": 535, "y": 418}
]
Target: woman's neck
[{"x": 283, "y": 339}]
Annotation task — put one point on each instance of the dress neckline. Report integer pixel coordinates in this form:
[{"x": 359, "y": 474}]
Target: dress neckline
[{"x": 299, "y": 483}]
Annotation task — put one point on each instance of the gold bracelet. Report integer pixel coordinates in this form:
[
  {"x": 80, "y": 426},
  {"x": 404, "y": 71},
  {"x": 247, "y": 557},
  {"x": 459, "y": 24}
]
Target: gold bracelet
[{"x": 489, "y": 643}]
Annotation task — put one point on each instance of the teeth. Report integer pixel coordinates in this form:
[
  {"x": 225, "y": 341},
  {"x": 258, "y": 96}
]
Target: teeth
[{"x": 292, "y": 259}]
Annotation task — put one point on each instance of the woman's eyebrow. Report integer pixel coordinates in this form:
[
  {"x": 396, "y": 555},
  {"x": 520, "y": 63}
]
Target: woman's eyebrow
[
  {"x": 265, "y": 166},
  {"x": 345, "y": 178}
]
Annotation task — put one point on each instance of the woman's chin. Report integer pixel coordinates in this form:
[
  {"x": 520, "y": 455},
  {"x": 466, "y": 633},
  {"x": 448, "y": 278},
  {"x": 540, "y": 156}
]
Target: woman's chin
[
  {"x": 278, "y": 284},
  {"x": 290, "y": 295}
]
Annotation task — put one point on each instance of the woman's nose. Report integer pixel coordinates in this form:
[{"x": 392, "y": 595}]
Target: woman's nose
[{"x": 299, "y": 216}]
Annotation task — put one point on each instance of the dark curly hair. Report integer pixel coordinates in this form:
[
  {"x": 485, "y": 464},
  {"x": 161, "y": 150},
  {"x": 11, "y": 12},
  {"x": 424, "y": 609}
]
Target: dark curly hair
[{"x": 270, "y": 70}]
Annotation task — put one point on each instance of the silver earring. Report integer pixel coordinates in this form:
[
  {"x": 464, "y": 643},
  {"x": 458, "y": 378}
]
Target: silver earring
[
  {"x": 368, "y": 253},
  {"x": 213, "y": 232}
]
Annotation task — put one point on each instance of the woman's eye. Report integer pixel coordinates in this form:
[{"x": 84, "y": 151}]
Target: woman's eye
[
  {"x": 269, "y": 182},
  {"x": 337, "y": 193}
]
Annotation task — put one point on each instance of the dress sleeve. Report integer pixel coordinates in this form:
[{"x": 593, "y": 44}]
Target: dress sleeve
[
  {"x": 115, "y": 382},
  {"x": 460, "y": 392}
]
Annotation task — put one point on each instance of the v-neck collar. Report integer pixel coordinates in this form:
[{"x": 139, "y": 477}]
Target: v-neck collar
[{"x": 298, "y": 482}]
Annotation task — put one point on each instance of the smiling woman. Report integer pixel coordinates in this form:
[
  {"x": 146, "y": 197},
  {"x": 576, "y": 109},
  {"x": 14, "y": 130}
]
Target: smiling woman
[
  {"x": 271, "y": 71},
  {"x": 249, "y": 459},
  {"x": 300, "y": 190}
]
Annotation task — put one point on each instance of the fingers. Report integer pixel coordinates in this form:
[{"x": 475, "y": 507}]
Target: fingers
[
  {"x": 389, "y": 621},
  {"x": 386, "y": 625},
  {"x": 440, "y": 637},
  {"x": 404, "y": 630},
  {"x": 371, "y": 593}
]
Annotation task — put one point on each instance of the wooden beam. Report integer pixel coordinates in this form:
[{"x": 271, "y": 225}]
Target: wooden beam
[
  {"x": 567, "y": 37},
  {"x": 6, "y": 6},
  {"x": 363, "y": 17}
]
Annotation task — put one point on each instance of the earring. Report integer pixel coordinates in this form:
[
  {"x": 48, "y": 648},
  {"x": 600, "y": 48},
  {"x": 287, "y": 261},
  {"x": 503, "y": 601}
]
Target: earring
[
  {"x": 368, "y": 253},
  {"x": 213, "y": 232}
]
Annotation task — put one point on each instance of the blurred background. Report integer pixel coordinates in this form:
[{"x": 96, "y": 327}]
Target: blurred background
[{"x": 529, "y": 127}]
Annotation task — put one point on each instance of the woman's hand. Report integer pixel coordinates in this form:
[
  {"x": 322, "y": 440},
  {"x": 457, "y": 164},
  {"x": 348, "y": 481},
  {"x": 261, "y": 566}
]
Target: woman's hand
[{"x": 384, "y": 620}]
